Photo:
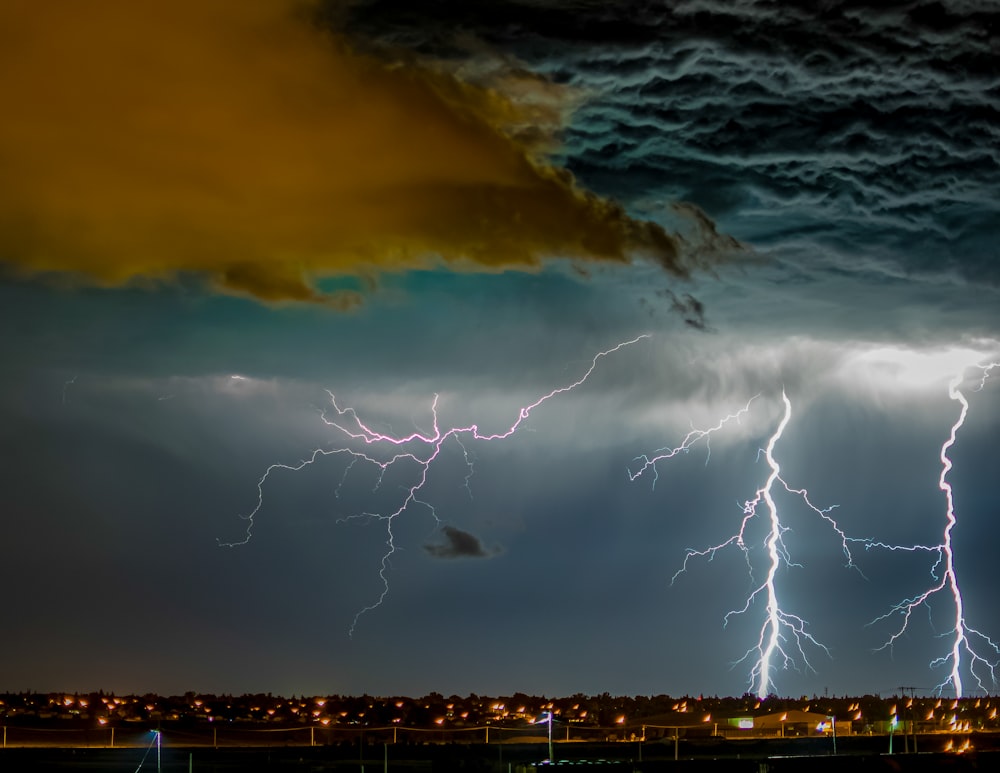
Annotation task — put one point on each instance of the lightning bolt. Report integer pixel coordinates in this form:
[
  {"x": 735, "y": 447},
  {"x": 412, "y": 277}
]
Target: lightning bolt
[
  {"x": 421, "y": 448},
  {"x": 964, "y": 637},
  {"x": 783, "y": 637}
]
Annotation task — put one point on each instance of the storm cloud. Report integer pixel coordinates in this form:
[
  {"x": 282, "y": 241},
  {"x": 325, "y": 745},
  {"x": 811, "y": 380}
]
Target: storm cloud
[
  {"x": 847, "y": 129},
  {"x": 248, "y": 144}
]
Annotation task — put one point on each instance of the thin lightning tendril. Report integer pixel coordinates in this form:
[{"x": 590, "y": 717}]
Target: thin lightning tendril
[
  {"x": 783, "y": 636},
  {"x": 964, "y": 637},
  {"x": 428, "y": 447},
  {"x": 649, "y": 462}
]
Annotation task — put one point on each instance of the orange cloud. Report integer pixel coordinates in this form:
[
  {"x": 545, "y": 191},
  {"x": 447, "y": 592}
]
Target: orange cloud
[{"x": 238, "y": 141}]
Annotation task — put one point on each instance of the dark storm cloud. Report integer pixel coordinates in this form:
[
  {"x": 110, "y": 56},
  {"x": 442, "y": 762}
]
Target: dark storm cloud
[
  {"x": 845, "y": 127},
  {"x": 961, "y": 34},
  {"x": 459, "y": 544},
  {"x": 852, "y": 146}
]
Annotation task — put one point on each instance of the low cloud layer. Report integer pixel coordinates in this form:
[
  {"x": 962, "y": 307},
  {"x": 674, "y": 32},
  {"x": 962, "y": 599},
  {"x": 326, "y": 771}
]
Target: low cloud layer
[{"x": 244, "y": 143}]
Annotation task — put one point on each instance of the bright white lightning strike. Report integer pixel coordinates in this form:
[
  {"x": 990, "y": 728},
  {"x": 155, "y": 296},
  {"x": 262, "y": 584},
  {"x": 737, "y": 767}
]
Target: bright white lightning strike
[
  {"x": 964, "y": 638},
  {"x": 421, "y": 448},
  {"x": 783, "y": 636}
]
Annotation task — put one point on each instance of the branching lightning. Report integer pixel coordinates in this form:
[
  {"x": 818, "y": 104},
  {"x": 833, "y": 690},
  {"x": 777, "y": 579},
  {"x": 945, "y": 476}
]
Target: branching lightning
[
  {"x": 964, "y": 638},
  {"x": 783, "y": 640},
  {"x": 420, "y": 448},
  {"x": 647, "y": 462},
  {"x": 783, "y": 637}
]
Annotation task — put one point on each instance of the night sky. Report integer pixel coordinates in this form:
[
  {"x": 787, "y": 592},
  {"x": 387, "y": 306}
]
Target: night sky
[{"x": 214, "y": 216}]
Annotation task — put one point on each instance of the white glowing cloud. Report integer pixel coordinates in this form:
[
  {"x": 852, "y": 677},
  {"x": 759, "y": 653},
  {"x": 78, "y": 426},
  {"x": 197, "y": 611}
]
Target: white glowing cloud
[{"x": 919, "y": 369}]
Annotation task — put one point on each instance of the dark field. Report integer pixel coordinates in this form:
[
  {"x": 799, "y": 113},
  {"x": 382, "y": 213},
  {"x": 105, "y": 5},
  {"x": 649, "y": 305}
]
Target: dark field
[{"x": 858, "y": 755}]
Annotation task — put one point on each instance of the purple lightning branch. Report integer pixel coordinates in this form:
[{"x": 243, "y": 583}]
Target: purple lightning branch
[
  {"x": 964, "y": 638},
  {"x": 783, "y": 637},
  {"x": 419, "y": 448}
]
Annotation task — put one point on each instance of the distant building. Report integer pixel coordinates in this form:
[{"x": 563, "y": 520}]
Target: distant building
[{"x": 795, "y": 723}]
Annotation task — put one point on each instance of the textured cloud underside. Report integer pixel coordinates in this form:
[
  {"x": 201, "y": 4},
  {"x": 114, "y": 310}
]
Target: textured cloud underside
[{"x": 246, "y": 143}]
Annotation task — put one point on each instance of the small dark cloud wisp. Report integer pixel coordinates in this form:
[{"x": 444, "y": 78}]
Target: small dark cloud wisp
[
  {"x": 689, "y": 307},
  {"x": 459, "y": 544}
]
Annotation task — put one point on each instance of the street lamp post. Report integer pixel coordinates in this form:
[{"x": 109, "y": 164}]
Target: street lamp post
[
  {"x": 551, "y": 756},
  {"x": 159, "y": 736},
  {"x": 548, "y": 719}
]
